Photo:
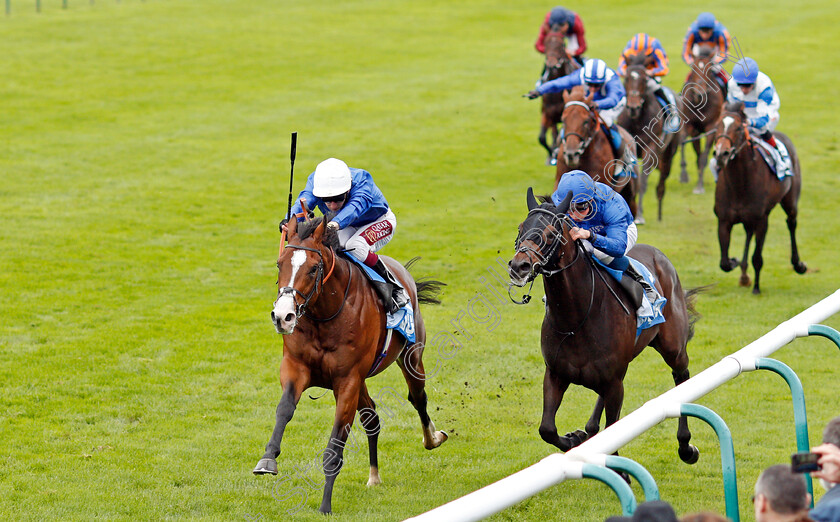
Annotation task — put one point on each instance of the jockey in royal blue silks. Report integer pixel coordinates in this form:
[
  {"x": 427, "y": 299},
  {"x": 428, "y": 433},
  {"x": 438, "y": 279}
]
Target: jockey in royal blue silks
[
  {"x": 363, "y": 221},
  {"x": 608, "y": 94},
  {"x": 604, "y": 219}
]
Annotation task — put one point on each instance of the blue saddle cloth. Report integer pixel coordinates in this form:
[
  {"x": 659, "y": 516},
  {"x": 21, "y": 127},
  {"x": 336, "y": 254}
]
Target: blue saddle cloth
[
  {"x": 650, "y": 315},
  {"x": 403, "y": 320}
]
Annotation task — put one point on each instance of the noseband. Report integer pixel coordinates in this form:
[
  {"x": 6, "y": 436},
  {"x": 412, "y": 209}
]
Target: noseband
[{"x": 747, "y": 141}]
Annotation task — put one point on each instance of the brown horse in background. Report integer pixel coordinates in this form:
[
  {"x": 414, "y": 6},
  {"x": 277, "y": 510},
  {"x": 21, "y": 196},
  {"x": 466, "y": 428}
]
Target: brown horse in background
[
  {"x": 333, "y": 324},
  {"x": 644, "y": 118},
  {"x": 589, "y": 329},
  {"x": 558, "y": 63},
  {"x": 703, "y": 101},
  {"x": 747, "y": 190},
  {"x": 584, "y": 146}
]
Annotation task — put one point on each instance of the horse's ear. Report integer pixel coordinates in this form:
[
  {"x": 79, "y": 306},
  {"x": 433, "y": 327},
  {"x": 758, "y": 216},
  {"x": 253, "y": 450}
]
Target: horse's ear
[
  {"x": 320, "y": 230},
  {"x": 291, "y": 227},
  {"x": 532, "y": 201},
  {"x": 563, "y": 207}
]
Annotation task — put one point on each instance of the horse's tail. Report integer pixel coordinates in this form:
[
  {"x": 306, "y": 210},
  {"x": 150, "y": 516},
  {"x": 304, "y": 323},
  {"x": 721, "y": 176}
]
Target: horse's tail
[
  {"x": 690, "y": 300},
  {"x": 427, "y": 289}
]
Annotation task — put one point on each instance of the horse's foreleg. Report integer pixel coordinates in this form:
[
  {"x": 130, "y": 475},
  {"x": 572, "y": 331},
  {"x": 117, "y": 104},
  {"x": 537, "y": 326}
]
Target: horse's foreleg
[
  {"x": 688, "y": 453},
  {"x": 745, "y": 278},
  {"x": 544, "y": 142},
  {"x": 683, "y": 171},
  {"x": 724, "y": 233},
  {"x": 553, "y": 389},
  {"x": 757, "y": 259},
  {"x": 411, "y": 364},
  {"x": 370, "y": 421},
  {"x": 643, "y": 183},
  {"x": 666, "y": 158},
  {"x": 702, "y": 161},
  {"x": 293, "y": 387},
  {"x": 347, "y": 400}
]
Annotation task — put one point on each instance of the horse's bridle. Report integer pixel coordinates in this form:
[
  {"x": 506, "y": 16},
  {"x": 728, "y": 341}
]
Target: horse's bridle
[
  {"x": 537, "y": 268},
  {"x": 300, "y": 308},
  {"x": 584, "y": 142},
  {"x": 747, "y": 140}
]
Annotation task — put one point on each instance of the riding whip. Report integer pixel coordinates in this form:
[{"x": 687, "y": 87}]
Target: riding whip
[{"x": 291, "y": 182}]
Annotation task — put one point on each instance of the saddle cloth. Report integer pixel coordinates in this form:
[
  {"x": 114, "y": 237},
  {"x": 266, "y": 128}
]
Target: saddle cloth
[
  {"x": 650, "y": 313},
  {"x": 778, "y": 162}
]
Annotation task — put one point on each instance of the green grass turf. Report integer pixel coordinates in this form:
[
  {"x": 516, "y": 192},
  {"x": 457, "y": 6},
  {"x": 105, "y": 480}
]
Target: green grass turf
[{"x": 144, "y": 169}]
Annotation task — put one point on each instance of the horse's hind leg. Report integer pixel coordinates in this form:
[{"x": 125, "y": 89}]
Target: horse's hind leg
[
  {"x": 683, "y": 170},
  {"x": 294, "y": 382},
  {"x": 553, "y": 389},
  {"x": 789, "y": 206},
  {"x": 411, "y": 364},
  {"x": 370, "y": 421},
  {"x": 688, "y": 452},
  {"x": 702, "y": 160},
  {"x": 593, "y": 425}
]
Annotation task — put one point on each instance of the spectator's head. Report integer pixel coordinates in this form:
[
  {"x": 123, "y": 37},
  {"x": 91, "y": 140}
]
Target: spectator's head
[
  {"x": 831, "y": 434},
  {"x": 780, "y": 494},
  {"x": 653, "y": 511}
]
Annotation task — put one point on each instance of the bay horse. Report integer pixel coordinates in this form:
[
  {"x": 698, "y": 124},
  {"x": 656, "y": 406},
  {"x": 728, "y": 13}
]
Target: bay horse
[
  {"x": 558, "y": 63},
  {"x": 703, "y": 101},
  {"x": 584, "y": 146},
  {"x": 644, "y": 118},
  {"x": 589, "y": 331},
  {"x": 747, "y": 190},
  {"x": 333, "y": 325}
]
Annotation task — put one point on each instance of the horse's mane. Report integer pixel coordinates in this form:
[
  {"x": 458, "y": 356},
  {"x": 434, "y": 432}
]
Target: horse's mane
[
  {"x": 734, "y": 106},
  {"x": 307, "y": 228}
]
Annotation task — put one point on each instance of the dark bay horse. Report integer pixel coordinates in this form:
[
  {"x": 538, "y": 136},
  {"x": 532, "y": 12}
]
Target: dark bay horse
[
  {"x": 589, "y": 330},
  {"x": 747, "y": 190},
  {"x": 703, "y": 101},
  {"x": 584, "y": 146},
  {"x": 333, "y": 324},
  {"x": 557, "y": 63},
  {"x": 644, "y": 118}
]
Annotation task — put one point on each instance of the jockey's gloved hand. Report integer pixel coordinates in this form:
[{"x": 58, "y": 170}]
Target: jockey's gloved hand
[
  {"x": 283, "y": 223},
  {"x": 532, "y": 94}
]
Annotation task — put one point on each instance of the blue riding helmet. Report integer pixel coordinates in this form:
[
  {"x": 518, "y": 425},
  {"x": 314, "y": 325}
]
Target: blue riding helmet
[
  {"x": 595, "y": 71},
  {"x": 745, "y": 71},
  {"x": 706, "y": 21}
]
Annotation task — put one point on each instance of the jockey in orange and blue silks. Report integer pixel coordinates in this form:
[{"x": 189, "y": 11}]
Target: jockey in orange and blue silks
[
  {"x": 657, "y": 68},
  {"x": 603, "y": 218},
  {"x": 608, "y": 95},
  {"x": 706, "y": 29},
  {"x": 363, "y": 220}
]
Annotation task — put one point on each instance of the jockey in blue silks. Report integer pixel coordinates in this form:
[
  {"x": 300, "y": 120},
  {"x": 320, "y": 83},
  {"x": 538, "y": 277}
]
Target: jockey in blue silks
[
  {"x": 363, "y": 221},
  {"x": 608, "y": 94},
  {"x": 603, "y": 218}
]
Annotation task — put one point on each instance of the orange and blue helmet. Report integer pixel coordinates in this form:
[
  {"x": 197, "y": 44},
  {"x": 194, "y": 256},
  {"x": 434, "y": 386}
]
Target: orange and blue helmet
[{"x": 641, "y": 43}]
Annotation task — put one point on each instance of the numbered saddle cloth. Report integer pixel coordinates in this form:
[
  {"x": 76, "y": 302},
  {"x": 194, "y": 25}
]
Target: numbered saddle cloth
[{"x": 777, "y": 159}]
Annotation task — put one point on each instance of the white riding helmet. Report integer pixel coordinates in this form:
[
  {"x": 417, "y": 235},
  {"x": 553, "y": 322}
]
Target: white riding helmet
[{"x": 332, "y": 178}]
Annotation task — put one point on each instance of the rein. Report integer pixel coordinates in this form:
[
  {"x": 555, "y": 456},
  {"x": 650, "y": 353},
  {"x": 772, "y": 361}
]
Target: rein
[{"x": 747, "y": 140}]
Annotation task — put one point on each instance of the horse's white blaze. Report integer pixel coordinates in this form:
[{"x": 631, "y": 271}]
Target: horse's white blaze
[
  {"x": 727, "y": 121},
  {"x": 634, "y": 75},
  {"x": 285, "y": 304}
]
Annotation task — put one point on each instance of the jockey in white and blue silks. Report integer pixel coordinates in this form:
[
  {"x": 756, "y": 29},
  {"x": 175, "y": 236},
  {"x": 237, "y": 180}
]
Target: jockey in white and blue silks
[
  {"x": 363, "y": 221},
  {"x": 761, "y": 103},
  {"x": 608, "y": 94},
  {"x": 604, "y": 219}
]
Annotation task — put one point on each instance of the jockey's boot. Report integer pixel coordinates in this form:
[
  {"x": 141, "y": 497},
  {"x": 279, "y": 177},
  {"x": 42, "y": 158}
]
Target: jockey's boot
[
  {"x": 392, "y": 293},
  {"x": 650, "y": 292},
  {"x": 621, "y": 152},
  {"x": 671, "y": 123}
]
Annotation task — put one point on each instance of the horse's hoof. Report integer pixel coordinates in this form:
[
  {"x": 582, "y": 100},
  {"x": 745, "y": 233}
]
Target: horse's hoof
[
  {"x": 744, "y": 280},
  {"x": 624, "y": 475},
  {"x": 374, "y": 479},
  {"x": 266, "y": 467},
  {"x": 639, "y": 220},
  {"x": 756, "y": 291},
  {"x": 438, "y": 438},
  {"x": 699, "y": 190},
  {"x": 690, "y": 454},
  {"x": 576, "y": 438},
  {"x": 800, "y": 268},
  {"x": 727, "y": 265}
]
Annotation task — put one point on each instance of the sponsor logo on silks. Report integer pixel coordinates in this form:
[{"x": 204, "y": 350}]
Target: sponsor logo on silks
[
  {"x": 407, "y": 326},
  {"x": 377, "y": 231}
]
